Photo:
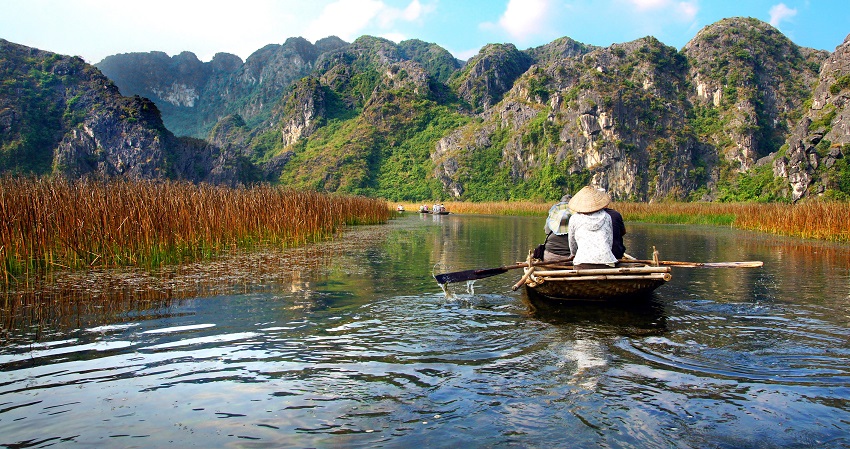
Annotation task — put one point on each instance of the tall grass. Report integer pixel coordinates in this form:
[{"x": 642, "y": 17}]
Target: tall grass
[
  {"x": 811, "y": 220},
  {"x": 818, "y": 220},
  {"x": 49, "y": 223}
]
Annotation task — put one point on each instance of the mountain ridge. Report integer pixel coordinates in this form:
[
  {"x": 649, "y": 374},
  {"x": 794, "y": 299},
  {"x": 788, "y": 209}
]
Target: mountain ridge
[{"x": 712, "y": 121}]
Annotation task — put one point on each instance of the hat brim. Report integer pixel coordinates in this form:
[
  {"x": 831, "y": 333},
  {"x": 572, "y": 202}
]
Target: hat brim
[
  {"x": 589, "y": 200},
  {"x": 556, "y": 214}
]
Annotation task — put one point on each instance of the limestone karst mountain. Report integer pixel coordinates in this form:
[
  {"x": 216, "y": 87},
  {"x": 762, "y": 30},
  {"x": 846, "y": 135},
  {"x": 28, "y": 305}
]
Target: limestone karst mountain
[{"x": 739, "y": 113}]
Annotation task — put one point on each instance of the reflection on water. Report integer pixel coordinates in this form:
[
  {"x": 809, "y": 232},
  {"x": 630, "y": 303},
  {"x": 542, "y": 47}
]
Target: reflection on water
[{"x": 361, "y": 348}]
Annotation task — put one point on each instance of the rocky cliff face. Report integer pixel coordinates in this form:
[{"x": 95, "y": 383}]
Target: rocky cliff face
[
  {"x": 193, "y": 95},
  {"x": 62, "y": 116},
  {"x": 436, "y": 60},
  {"x": 739, "y": 113},
  {"x": 817, "y": 146},
  {"x": 179, "y": 85},
  {"x": 72, "y": 120},
  {"x": 611, "y": 116},
  {"x": 754, "y": 80},
  {"x": 488, "y": 75},
  {"x": 648, "y": 122}
]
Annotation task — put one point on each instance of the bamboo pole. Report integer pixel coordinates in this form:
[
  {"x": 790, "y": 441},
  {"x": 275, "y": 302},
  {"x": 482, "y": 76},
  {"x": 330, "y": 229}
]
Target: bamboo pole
[
  {"x": 609, "y": 277},
  {"x": 632, "y": 270},
  {"x": 673, "y": 263},
  {"x": 528, "y": 272}
]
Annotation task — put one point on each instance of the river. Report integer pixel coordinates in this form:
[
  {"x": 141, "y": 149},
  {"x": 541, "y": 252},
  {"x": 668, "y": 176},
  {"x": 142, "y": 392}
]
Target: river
[{"x": 362, "y": 348}]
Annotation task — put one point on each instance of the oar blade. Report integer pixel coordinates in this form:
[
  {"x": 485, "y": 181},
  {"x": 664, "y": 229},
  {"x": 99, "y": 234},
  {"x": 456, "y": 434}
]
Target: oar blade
[
  {"x": 468, "y": 275},
  {"x": 748, "y": 264}
]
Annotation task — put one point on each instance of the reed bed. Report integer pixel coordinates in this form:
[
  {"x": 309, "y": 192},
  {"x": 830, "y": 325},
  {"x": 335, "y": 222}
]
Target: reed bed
[
  {"x": 55, "y": 223},
  {"x": 810, "y": 220},
  {"x": 818, "y": 220},
  {"x": 88, "y": 298}
]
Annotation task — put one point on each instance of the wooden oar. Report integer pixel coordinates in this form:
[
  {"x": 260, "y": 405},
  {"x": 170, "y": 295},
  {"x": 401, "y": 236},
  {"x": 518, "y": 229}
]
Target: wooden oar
[
  {"x": 673, "y": 263},
  {"x": 470, "y": 275}
]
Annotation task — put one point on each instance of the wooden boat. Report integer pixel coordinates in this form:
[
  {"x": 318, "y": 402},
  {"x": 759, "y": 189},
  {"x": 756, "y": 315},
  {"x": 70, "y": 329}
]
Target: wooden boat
[
  {"x": 439, "y": 209},
  {"x": 564, "y": 283}
]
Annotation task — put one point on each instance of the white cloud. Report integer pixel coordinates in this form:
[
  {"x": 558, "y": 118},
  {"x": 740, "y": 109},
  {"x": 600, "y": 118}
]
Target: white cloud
[
  {"x": 343, "y": 18},
  {"x": 524, "y": 18},
  {"x": 105, "y": 27},
  {"x": 649, "y": 5},
  {"x": 395, "y": 37},
  {"x": 686, "y": 11},
  {"x": 464, "y": 55},
  {"x": 680, "y": 11},
  {"x": 413, "y": 11},
  {"x": 349, "y": 19},
  {"x": 779, "y": 13}
]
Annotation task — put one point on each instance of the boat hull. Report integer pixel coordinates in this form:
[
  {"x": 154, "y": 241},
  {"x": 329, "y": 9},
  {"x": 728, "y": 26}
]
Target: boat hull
[
  {"x": 594, "y": 290},
  {"x": 596, "y": 285}
]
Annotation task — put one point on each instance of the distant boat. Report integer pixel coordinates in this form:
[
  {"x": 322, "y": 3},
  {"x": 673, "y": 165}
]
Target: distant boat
[
  {"x": 423, "y": 209},
  {"x": 439, "y": 209},
  {"x": 400, "y": 208}
]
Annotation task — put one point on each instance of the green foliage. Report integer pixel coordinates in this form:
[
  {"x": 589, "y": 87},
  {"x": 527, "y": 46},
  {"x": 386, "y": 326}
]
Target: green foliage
[
  {"x": 551, "y": 182},
  {"x": 29, "y": 148},
  {"x": 436, "y": 60},
  {"x": 482, "y": 172},
  {"x": 539, "y": 131},
  {"x": 383, "y": 150},
  {"x": 822, "y": 148},
  {"x": 265, "y": 146},
  {"x": 406, "y": 173},
  {"x": 757, "y": 185},
  {"x": 840, "y": 84},
  {"x": 693, "y": 219},
  {"x": 841, "y": 174},
  {"x": 825, "y": 121},
  {"x": 537, "y": 86}
]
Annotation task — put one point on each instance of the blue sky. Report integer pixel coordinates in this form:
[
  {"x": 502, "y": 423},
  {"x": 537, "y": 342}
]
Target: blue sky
[{"x": 95, "y": 29}]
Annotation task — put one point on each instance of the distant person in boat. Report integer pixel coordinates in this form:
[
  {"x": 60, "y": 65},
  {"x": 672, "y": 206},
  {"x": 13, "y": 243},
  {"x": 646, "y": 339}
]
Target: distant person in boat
[
  {"x": 591, "y": 233},
  {"x": 557, "y": 243}
]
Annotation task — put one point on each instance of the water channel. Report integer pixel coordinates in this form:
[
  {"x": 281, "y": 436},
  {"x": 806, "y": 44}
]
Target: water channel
[{"x": 364, "y": 349}]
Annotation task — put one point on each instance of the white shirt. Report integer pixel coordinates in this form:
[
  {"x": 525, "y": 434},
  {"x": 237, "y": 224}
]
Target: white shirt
[{"x": 591, "y": 236}]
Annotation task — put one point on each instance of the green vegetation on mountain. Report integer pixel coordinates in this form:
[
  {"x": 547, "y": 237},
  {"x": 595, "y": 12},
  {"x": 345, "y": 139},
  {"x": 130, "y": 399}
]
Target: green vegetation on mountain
[
  {"x": 435, "y": 59},
  {"x": 741, "y": 113},
  {"x": 49, "y": 101}
]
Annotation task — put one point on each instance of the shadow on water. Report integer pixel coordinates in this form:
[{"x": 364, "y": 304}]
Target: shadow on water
[{"x": 642, "y": 315}]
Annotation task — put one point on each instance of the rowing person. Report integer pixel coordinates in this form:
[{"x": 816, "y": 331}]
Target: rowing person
[
  {"x": 557, "y": 243},
  {"x": 590, "y": 230}
]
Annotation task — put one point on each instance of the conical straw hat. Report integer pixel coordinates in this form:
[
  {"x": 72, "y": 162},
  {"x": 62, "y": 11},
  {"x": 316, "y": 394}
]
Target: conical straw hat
[{"x": 588, "y": 200}]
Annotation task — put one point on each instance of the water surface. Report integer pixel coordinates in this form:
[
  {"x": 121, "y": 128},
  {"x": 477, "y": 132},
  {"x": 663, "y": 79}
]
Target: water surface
[{"x": 364, "y": 349}]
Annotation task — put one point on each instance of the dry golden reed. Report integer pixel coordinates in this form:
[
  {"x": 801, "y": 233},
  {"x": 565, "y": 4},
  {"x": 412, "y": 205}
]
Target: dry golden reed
[
  {"x": 820, "y": 220},
  {"x": 47, "y": 223}
]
